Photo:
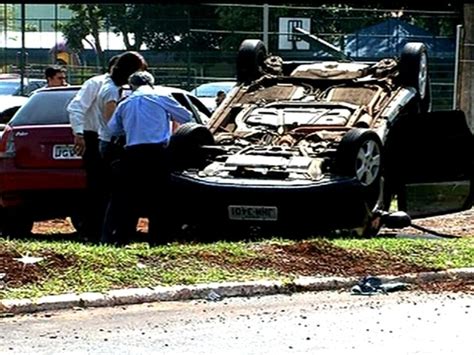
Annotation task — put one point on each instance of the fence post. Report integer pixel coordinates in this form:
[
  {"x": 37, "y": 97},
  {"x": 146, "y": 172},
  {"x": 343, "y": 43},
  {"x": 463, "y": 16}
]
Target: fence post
[
  {"x": 23, "y": 50},
  {"x": 456, "y": 67},
  {"x": 265, "y": 25}
]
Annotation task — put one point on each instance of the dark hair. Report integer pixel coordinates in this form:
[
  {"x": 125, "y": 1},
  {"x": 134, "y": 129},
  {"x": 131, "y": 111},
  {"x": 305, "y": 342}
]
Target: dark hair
[
  {"x": 220, "y": 92},
  {"x": 112, "y": 62},
  {"x": 127, "y": 64},
  {"x": 52, "y": 70}
]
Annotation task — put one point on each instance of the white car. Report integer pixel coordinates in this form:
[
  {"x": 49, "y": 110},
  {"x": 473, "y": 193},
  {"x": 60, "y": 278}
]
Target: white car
[
  {"x": 207, "y": 92},
  {"x": 10, "y": 85}
]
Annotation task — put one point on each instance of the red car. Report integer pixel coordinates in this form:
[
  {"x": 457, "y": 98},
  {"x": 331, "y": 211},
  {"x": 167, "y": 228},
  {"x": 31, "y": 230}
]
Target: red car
[{"x": 41, "y": 177}]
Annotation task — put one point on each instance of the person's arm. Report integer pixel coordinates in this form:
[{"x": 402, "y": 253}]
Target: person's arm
[
  {"x": 109, "y": 110},
  {"x": 80, "y": 104},
  {"x": 115, "y": 123},
  {"x": 177, "y": 112},
  {"x": 110, "y": 95},
  {"x": 77, "y": 109}
]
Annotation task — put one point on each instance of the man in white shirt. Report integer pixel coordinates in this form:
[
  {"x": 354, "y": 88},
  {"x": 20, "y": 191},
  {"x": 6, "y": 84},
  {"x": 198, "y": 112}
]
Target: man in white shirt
[{"x": 85, "y": 116}]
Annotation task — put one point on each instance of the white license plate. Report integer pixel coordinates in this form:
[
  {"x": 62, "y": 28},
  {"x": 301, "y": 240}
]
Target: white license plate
[
  {"x": 64, "y": 151},
  {"x": 253, "y": 213}
]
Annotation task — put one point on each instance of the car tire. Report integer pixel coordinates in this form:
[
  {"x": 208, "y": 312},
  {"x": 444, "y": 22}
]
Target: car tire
[
  {"x": 359, "y": 154},
  {"x": 250, "y": 60},
  {"x": 413, "y": 70},
  {"x": 185, "y": 143}
]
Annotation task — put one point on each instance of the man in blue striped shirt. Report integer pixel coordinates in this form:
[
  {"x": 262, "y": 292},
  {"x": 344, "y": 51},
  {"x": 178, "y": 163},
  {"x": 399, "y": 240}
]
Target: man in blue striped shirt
[{"x": 144, "y": 118}]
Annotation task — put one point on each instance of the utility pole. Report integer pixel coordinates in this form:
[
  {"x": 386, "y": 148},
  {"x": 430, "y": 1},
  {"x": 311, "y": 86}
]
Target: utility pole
[
  {"x": 23, "y": 51},
  {"x": 466, "y": 92},
  {"x": 265, "y": 24}
]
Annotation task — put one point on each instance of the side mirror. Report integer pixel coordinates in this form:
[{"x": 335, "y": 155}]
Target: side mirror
[{"x": 396, "y": 220}]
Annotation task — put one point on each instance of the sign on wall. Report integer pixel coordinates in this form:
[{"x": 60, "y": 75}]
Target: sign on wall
[{"x": 288, "y": 39}]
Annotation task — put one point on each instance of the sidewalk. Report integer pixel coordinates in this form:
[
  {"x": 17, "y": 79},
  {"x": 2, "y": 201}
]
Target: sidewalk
[{"x": 211, "y": 291}]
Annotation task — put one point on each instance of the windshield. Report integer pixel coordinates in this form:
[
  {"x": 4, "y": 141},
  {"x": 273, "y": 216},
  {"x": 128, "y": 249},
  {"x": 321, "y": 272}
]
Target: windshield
[{"x": 210, "y": 90}]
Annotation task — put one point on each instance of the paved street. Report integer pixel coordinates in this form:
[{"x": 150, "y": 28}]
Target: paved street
[{"x": 309, "y": 323}]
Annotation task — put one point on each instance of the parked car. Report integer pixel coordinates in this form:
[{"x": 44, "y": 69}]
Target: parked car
[
  {"x": 41, "y": 177},
  {"x": 8, "y": 107},
  {"x": 207, "y": 92},
  {"x": 307, "y": 148},
  {"x": 10, "y": 85}
]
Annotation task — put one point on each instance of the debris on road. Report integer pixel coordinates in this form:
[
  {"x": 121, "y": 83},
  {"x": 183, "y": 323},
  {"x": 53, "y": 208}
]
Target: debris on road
[{"x": 370, "y": 285}]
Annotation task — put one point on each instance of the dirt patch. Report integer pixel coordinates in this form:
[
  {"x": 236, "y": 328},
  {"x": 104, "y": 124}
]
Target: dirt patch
[
  {"x": 321, "y": 258},
  {"x": 15, "y": 273}
]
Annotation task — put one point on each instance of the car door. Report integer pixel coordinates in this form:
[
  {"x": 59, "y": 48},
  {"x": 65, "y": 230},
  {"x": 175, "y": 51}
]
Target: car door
[
  {"x": 430, "y": 163},
  {"x": 199, "y": 112}
]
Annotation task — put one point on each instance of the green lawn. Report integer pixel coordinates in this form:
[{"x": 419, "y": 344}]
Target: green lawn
[{"x": 75, "y": 267}]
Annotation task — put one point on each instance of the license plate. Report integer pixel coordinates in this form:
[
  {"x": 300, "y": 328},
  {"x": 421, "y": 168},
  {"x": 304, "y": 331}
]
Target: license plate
[
  {"x": 64, "y": 151},
  {"x": 253, "y": 213}
]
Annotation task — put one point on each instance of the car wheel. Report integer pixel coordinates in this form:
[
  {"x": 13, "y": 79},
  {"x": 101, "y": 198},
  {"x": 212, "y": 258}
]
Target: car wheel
[
  {"x": 360, "y": 155},
  {"x": 414, "y": 68},
  {"x": 250, "y": 59},
  {"x": 185, "y": 143}
]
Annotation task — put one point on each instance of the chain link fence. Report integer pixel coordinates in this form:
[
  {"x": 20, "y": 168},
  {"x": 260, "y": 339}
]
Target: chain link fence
[{"x": 364, "y": 34}]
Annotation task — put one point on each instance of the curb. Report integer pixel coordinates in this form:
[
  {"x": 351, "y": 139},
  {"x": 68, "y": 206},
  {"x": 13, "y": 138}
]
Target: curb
[{"x": 210, "y": 291}]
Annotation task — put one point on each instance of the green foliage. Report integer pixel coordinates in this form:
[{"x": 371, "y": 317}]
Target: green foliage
[{"x": 87, "y": 20}]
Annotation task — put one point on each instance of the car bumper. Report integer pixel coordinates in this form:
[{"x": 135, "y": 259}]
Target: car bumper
[{"x": 308, "y": 207}]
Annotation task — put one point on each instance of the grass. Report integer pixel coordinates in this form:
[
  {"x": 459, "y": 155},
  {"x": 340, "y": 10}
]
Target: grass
[
  {"x": 441, "y": 253},
  {"x": 100, "y": 268}
]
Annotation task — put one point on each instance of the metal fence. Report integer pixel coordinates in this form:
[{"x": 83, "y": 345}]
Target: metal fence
[{"x": 193, "y": 66}]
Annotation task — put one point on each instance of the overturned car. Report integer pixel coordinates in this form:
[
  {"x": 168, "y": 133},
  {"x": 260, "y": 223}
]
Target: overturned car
[{"x": 307, "y": 148}]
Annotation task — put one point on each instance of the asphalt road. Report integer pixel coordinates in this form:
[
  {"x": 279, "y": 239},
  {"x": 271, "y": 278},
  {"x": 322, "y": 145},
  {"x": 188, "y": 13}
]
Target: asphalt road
[{"x": 306, "y": 323}]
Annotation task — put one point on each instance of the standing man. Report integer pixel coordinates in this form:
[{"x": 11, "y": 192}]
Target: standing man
[
  {"x": 55, "y": 76},
  {"x": 144, "y": 118},
  {"x": 109, "y": 95},
  {"x": 85, "y": 117}
]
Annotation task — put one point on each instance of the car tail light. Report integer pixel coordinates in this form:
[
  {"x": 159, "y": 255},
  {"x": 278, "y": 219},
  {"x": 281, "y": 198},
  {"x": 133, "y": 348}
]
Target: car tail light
[{"x": 7, "y": 144}]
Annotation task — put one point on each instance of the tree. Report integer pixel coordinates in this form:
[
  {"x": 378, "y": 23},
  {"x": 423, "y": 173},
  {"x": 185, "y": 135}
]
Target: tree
[
  {"x": 87, "y": 20},
  {"x": 127, "y": 19},
  {"x": 169, "y": 27},
  {"x": 160, "y": 27}
]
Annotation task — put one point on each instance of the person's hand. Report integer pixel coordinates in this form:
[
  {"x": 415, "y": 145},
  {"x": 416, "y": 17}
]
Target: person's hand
[{"x": 79, "y": 145}]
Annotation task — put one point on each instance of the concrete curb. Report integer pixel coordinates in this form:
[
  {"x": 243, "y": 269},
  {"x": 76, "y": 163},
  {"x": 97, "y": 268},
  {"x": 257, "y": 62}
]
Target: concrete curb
[{"x": 211, "y": 291}]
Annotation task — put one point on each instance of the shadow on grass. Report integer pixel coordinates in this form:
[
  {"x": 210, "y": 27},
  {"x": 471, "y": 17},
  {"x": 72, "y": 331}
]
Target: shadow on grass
[{"x": 194, "y": 236}]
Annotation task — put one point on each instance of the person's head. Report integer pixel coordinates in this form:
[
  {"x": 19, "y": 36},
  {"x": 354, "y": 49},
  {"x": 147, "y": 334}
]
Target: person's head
[
  {"x": 111, "y": 63},
  {"x": 55, "y": 76},
  {"x": 220, "y": 96},
  {"x": 127, "y": 64},
  {"x": 140, "y": 78}
]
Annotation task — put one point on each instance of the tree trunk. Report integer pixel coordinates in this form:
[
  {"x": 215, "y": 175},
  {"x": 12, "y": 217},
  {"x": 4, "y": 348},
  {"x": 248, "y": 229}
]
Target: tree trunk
[{"x": 95, "y": 30}]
